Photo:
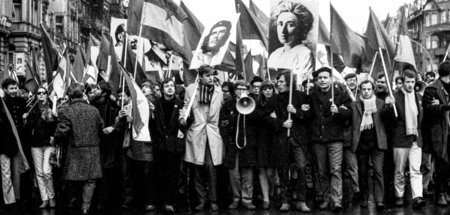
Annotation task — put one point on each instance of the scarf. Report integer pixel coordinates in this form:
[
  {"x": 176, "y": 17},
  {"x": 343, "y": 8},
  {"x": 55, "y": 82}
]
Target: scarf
[
  {"x": 370, "y": 107},
  {"x": 206, "y": 93},
  {"x": 411, "y": 113}
]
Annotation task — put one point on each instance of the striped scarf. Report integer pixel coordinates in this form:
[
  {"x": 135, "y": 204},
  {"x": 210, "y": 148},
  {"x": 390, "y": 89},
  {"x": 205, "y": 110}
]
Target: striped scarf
[{"x": 206, "y": 93}]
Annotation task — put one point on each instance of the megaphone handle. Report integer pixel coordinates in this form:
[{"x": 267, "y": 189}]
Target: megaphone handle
[{"x": 237, "y": 133}]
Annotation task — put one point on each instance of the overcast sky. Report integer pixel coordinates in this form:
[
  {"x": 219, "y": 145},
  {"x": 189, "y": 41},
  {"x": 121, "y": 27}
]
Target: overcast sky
[{"x": 354, "y": 12}]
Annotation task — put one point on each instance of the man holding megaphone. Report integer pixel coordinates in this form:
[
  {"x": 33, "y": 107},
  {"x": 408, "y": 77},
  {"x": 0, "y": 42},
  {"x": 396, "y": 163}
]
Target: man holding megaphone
[{"x": 238, "y": 129}]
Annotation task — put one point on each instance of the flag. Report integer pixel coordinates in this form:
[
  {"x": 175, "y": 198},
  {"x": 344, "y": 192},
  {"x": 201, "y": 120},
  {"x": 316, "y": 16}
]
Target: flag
[
  {"x": 377, "y": 37},
  {"x": 192, "y": 26},
  {"x": 248, "y": 63},
  {"x": 345, "y": 42},
  {"x": 140, "y": 109},
  {"x": 161, "y": 21},
  {"x": 260, "y": 17},
  {"x": 251, "y": 28},
  {"x": 11, "y": 127},
  {"x": 104, "y": 57},
  {"x": 93, "y": 50},
  {"x": 31, "y": 82},
  {"x": 140, "y": 76},
  {"x": 324, "y": 35},
  {"x": 62, "y": 78},
  {"x": 404, "y": 52},
  {"x": 240, "y": 65},
  {"x": 51, "y": 54},
  {"x": 79, "y": 65}
]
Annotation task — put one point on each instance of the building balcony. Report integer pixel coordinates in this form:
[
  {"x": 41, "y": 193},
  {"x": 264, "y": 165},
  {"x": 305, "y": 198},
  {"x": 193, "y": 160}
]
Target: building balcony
[{"x": 438, "y": 51}]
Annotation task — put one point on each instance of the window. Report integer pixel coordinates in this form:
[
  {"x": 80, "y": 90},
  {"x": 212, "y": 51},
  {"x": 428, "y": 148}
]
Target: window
[
  {"x": 434, "y": 19},
  {"x": 59, "y": 26},
  {"x": 443, "y": 43},
  {"x": 17, "y": 10},
  {"x": 444, "y": 16},
  {"x": 428, "y": 42},
  {"x": 434, "y": 42},
  {"x": 427, "y": 20}
]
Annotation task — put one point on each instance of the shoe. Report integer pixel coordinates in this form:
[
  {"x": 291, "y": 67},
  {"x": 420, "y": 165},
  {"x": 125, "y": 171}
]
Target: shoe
[
  {"x": 324, "y": 205},
  {"x": 100, "y": 207},
  {"x": 125, "y": 205},
  {"x": 364, "y": 203},
  {"x": 356, "y": 197},
  {"x": 72, "y": 203},
  {"x": 265, "y": 205},
  {"x": 200, "y": 207},
  {"x": 441, "y": 201},
  {"x": 52, "y": 203},
  {"x": 418, "y": 203},
  {"x": 337, "y": 208},
  {"x": 399, "y": 202},
  {"x": 249, "y": 206},
  {"x": 149, "y": 207},
  {"x": 447, "y": 197},
  {"x": 380, "y": 206},
  {"x": 84, "y": 211},
  {"x": 214, "y": 206},
  {"x": 285, "y": 207},
  {"x": 427, "y": 192},
  {"x": 233, "y": 205},
  {"x": 302, "y": 206},
  {"x": 44, "y": 204},
  {"x": 169, "y": 209}
]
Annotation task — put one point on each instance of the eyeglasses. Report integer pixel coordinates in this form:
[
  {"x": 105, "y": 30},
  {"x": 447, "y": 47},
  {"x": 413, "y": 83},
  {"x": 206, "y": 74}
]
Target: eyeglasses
[{"x": 41, "y": 93}]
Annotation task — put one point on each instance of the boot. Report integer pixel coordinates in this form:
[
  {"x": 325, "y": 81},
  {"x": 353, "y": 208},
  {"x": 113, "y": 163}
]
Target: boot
[
  {"x": 44, "y": 204},
  {"x": 301, "y": 206},
  {"x": 52, "y": 203},
  {"x": 88, "y": 193},
  {"x": 441, "y": 201}
]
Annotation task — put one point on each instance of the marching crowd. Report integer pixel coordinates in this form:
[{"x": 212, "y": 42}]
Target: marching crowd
[{"x": 289, "y": 150}]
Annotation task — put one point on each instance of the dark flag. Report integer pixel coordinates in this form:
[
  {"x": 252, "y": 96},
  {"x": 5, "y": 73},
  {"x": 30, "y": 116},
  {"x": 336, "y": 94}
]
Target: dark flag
[
  {"x": 160, "y": 21},
  {"x": 251, "y": 28},
  {"x": 51, "y": 54}
]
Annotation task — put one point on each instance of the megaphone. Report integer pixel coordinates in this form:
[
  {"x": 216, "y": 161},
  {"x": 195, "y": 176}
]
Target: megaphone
[
  {"x": 245, "y": 105},
  {"x": 420, "y": 85}
]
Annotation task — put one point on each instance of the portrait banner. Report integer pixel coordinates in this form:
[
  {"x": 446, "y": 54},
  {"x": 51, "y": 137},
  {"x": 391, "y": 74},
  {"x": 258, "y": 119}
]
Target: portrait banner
[
  {"x": 293, "y": 35},
  {"x": 118, "y": 29},
  {"x": 214, "y": 42}
]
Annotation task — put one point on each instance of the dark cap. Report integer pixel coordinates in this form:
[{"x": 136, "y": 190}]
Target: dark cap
[
  {"x": 350, "y": 75},
  {"x": 323, "y": 69}
]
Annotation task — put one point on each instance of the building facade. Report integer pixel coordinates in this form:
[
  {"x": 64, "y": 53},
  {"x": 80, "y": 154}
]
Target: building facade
[{"x": 429, "y": 26}]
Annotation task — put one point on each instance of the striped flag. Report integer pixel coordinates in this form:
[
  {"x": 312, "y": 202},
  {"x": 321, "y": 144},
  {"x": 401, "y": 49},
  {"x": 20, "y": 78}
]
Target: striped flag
[{"x": 161, "y": 21}]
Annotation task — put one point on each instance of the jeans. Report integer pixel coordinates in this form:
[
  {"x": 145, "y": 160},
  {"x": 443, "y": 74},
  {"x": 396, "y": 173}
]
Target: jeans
[
  {"x": 7, "y": 185},
  {"x": 427, "y": 169},
  {"x": 377, "y": 157},
  {"x": 41, "y": 157},
  {"x": 329, "y": 162},
  {"x": 351, "y": 168},
  {"x": 241, "y": 182},
  {"x": 414, "y": 156}
]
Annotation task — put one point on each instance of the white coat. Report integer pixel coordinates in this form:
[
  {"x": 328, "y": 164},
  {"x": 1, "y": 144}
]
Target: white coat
[{"x": 205, "y": 125}]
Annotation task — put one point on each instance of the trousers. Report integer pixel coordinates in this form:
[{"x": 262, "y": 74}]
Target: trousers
[
  {"x": 414, "y": 156},
  {"x": 41, "y": 157}
]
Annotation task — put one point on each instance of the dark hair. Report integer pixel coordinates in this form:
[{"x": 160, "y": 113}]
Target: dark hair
[
  {"x": 380, "y": 75},
  {"x": 398, "y": 78},
  {"x": 203, "y": 69},
  {"x": 264, "y": 85},
  {"x": 365, "y": 82},
  {"x": 434, "y": 74},
  {"x": 409, "y": 74},
  {"x": 287, "y": 77},
  {"x": 230, "y": 87},
  {"x": 205, "y": 46},
  {"x": 409, "y": 67},
  {"x": 75, "y": 91},
  {"x": 46, "y": 91},
  {"x": 255, "y": 79},
  {"x": 127, "y": 91},
  {"x": 90, "y": 87},
  {"x": 241, "y": 83},
  {"x": 120, "y": 29},
  {"x": 180, "y": 91},
  {"x": 106, "y": 87},
  {"x": 304, "y": 16},
  {"x": 7, "y": 82},
  {"x": 350, "y": 75},
  {"x": 444, "y": 69},
  {"x": 165, "y": 81}
]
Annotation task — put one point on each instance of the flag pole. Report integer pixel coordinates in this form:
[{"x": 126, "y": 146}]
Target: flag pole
[
  {"x": 191, "y": 101},
  {"x": 446, "y": 53},
  {"x": 332, "y": 79},
  {"x": 139, "y": 44},
  {"x": 291, "y": 82},
  {"x": 373, "y": 64},
  {"x": 387, "y": 80}
]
